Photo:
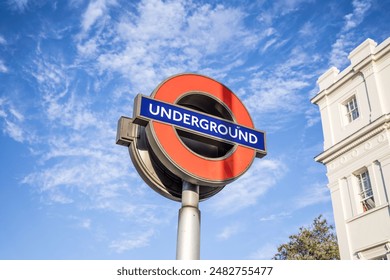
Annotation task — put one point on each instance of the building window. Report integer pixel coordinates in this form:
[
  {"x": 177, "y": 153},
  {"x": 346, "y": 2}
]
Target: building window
[
  {"x": 366, "y": 194},
  {"x": 351, "y": 109}
]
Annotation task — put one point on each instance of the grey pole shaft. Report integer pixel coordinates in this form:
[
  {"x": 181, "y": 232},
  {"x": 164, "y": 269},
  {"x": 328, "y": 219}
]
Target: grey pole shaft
[{"x": 188, "y": 231}]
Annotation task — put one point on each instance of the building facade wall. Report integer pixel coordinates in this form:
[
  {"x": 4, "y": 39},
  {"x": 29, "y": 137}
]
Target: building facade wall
[{"x": 356, "y": 146}]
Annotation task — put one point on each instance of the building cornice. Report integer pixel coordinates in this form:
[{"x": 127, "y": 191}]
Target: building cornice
[
  {"x": 359, "y": 137},
  {"x": 333, "y": 79}
]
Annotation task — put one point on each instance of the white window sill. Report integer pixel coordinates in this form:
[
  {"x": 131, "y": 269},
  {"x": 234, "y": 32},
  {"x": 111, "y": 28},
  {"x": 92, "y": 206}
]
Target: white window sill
[{"x": 367, "y": 212}]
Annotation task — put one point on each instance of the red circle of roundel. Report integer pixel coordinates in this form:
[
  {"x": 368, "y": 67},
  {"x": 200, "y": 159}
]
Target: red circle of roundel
[{"x": 215, "y": 170}]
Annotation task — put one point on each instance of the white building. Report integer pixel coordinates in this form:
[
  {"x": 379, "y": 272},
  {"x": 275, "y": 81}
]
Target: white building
[{"x": 355, "y": 113}]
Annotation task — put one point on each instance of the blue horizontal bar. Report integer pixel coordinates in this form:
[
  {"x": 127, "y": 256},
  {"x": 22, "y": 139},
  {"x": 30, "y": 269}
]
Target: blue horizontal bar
[{"x": 202, "y": 123}]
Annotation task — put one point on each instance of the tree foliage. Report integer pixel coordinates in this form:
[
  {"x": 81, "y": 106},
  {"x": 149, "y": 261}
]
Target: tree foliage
[{"x": 317, "y": 242}]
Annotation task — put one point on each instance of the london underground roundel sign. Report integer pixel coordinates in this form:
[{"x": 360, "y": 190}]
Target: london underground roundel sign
[{"x": 197, "y": 130}]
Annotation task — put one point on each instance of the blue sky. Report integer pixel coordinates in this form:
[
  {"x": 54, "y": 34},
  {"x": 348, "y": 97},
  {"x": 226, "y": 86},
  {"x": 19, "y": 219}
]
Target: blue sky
[{"x": 70, "y": 69}]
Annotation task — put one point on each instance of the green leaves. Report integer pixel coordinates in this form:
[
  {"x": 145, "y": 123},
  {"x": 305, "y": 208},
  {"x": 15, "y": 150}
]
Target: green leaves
[{"x": 317, "y": 242}]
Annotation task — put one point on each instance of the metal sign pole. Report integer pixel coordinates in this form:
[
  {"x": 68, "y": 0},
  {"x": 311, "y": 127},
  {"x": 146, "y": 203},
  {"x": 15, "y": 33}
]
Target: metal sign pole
[{"x": 188, "y": 231}]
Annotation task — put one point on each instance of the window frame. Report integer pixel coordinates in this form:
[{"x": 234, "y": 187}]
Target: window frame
[
  {"x": 351, "y": 109},
  {"x": 366, "y": 193}
]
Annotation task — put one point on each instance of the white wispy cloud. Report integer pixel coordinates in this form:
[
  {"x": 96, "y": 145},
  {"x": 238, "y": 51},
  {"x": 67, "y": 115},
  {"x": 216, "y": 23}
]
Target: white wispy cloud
[
  {"x": 85, "y": 162},
  {"x": 275, "y": 94},
  {"x": 360, "y": 8},
  {"x": 136, "y": 240},
  {"x": 229, "y": 231},
  {"x": 248, "y": 189},
  {"x": 11, "y": 129},
  {"x": 96, "y": 9},
  {"x": 81, "y": 222},
  {"x": 280, "y": 89},
  {"x": 312, "y": 116},
  {"x": 2, "y": 40},
  {"x": 346, "y": 39},
  {"x": 77, "y": 162},
  {"x": 14, "y": 122},
  {"x": 14, "y": 131},
  {"x": 268, "y": 44},
  {"x": 85, "y": 223},
  {"x": 314, "y": 194},
  {"x": 51, "y": 75},
  {"x": 280, "y": 8},
  {"x": 3, "y": 114},
  {"x": 167, "y": 37},
  {"x": 340, "y": 50},
  {"x": 93, "y": 172},
  {"x": 307, "y": 30},
  {"x": 276, "y": 216},
  {"x": 289, "y": 6},
  {"x": 61, "y": 102},
  {"x": 3, "y": 67},
  {"x": 18, "y": 5},
  {"x": 16, "y": 114},
  {"x": 265, "y": 252}
]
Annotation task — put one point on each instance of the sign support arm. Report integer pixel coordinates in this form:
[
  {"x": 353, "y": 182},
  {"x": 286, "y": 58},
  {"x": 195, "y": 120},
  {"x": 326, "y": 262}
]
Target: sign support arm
[{"x": 188, "y": 231}]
